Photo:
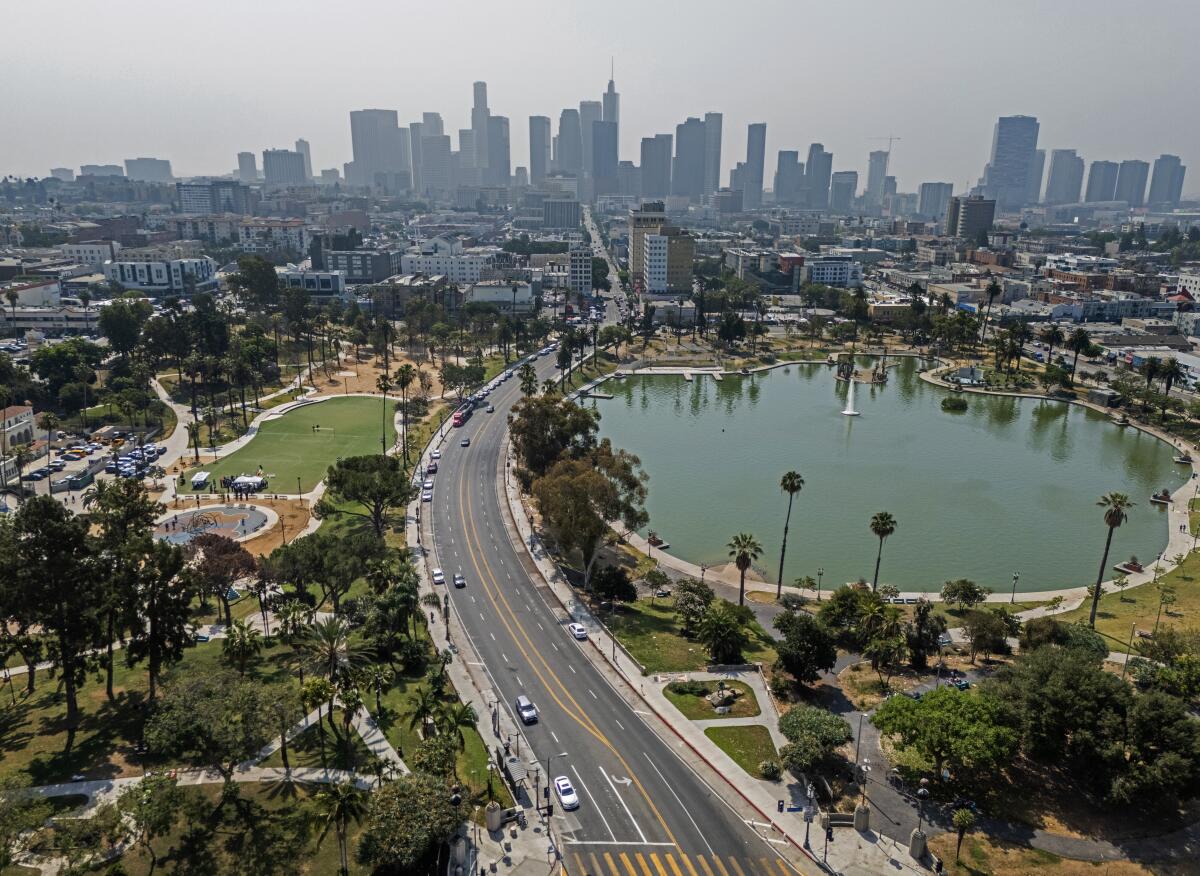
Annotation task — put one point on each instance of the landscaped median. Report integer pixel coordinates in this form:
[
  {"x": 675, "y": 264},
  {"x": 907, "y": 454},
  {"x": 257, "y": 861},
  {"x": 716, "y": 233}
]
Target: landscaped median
[{"x": 750, "y": 746}]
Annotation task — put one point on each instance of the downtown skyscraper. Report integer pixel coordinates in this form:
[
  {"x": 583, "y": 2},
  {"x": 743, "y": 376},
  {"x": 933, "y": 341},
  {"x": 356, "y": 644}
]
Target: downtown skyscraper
[
  {"x": 1014, "y": 148},
  {"x": 539, "y": 148},
  {"x": 712, "y": 152},
  {"x": 756, "y": 156},
  {"x": 687, "y": 169}
]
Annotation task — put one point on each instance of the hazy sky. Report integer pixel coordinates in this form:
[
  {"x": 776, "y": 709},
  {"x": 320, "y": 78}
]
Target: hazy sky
[{"x": 198, "y": 82}]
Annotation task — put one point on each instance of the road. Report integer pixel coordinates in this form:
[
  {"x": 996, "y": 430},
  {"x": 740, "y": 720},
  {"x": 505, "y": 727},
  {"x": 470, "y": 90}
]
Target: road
[
  {"x": 615, "y": 303},
  {"x": 642, "y": 809}
]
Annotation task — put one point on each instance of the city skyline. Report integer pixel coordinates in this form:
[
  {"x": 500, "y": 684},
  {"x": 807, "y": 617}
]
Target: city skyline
[{"x": 658, "y": 91}]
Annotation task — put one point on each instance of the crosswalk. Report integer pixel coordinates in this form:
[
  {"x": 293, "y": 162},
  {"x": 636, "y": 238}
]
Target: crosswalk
[{"x": 670, "y": 863}]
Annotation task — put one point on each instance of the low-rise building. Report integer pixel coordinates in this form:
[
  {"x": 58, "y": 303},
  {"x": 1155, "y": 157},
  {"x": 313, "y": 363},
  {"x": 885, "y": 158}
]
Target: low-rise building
[
  {"x": 321, "y": 286},
  {"x": 447, "y": 256},
  {"x": 506, "y": 296},
  {"x": 364, "y": 265},
  {"x": 164, "y": 277},
  {"x": 267, "y": 235},
  {"x": 16, "y": 427},
  {"x": 841, "y": 271},
  {"x": 91, "y": 252}
]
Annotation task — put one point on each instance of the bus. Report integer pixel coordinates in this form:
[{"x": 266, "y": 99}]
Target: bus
[{"x": 462, "y": 415}]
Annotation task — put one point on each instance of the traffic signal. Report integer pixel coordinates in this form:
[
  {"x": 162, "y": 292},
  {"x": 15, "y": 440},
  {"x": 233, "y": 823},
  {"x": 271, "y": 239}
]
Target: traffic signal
[
  {"x": 829, "y": 834},
  {"x": 549, "y": 809},
  {"x": 780, "y": 806}
]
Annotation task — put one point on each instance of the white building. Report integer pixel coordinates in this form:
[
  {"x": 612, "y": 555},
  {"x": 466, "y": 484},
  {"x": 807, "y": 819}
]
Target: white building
[
  {"x": 318, "y": 284},
  {"x": 500, "y": 294},
  {"x": 16, "y": 427},
  {"x": 164, "y": 277},
  {"x": 448, "y": 257},
  {"x": 580, "y": 270},
  {"x": 91, "y": 252},
  {"x": 842, "y": 271},
  {"x": 265, "y": 235}
]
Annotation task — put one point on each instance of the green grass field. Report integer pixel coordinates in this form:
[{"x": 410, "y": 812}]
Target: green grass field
[
  {"x": 748, "y": 746},
  {"x": 287, "y": 448}
]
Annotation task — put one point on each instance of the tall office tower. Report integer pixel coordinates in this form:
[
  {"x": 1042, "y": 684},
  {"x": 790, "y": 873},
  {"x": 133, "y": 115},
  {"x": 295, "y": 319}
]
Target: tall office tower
[
  {"x": 934, "y": 199},
  {"x": 1131, "y": 182},
  {"x": 612, "y": 104},
  {"x": 604, "y": 157},
  {"x": 479, "y": 125},
  {"x": 415, "y": 135},
  {"x": 499, "y": 169},
  {"x": 303, "y": 148},
  {"x": 148, "y": 169},
  {"x": 1006, "y": 176},
  {"x": 570, "y": 142},
  {"x": 817, "y": 171},
  {"x": 1037, "y": 168},
  {"x": 843, "y": 185},
  {"x": 435, "y": 162},
  {"x": 539, "y": 148},
  {"x": 431, "y": 125},
  {"x": 1166, "y": 184},
  {"x": 282, "y": 167},
  {"x": 590, "y": 111},
  {"x": 712, "y": 152},
  {"x": 789, "y": 177},
  {"x": 629, "y": 179},
  {"x": 379, "y": 148},
  {"x": 247, "y": 167},
  {"x": 968, "y": 217},
  {"x": 687, "y": 169},
  {"x": 1066, "y": 177},
  {"x": 877, "y": 163},
  {"x": 1102, "y": 181},
  {"x": 656, "y": 166},
  {"x": 756, "y": 156},
  {"x": 466, "y": 162},
  {"x": 521, "y": 178}
]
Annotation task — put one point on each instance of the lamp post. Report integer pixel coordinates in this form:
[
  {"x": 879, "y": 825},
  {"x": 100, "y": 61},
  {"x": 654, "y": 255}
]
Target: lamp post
[
  {"x": 1128, "y": 648},
  {"x": 1016, "y": 578},
  {"x": 299, "y": 492},
  {"x": 820, "y": 575},
  {"x": 549, "y": 758},
  {"x": 703, "y": 569}
]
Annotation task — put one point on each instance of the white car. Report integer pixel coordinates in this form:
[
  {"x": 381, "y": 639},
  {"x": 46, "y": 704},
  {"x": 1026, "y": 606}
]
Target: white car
[
  {"x": 439, "y": 577},
  {"x": 427, "y": 496},
  {"x": 437, "y": 454},
  {"x": 566, "y": 793},
  {"x": 428, "y": 485},
  {"x": 578, "y": 631}
]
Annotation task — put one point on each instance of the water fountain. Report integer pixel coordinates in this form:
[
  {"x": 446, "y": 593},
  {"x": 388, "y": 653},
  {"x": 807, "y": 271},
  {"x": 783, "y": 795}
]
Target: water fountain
[{"x": 850, "y": 412}]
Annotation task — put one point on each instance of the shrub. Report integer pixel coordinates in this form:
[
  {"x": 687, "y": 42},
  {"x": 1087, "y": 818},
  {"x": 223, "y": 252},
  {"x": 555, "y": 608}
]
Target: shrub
[
  {"x": 689, "y": 688},
  {"x": 770, "y": 770},
  {"x": 954, "y": 405},
  {"x": 792, "y": 601}
]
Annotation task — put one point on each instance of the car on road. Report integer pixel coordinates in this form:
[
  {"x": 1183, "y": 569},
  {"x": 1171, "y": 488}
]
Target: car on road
[
  {"x": 432, "y": 468},
  {"x": 466, "y": 442},
  {"x": 459, "y": 581},
  {"x": 526, "y": 710},
  {"x": 427, "y": 496},
  {"x": 437, "y": 454},
  {"x": 428, "y": 485},
  {"x": 578, "y": 631},
  {"x": 439, "y": 577},
  {"x": 566, "y": 793},
  {"x": 491, "y": 409}
]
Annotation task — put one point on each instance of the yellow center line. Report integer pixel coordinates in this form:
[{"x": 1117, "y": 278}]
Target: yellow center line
[{"x": 471, "y": 535}]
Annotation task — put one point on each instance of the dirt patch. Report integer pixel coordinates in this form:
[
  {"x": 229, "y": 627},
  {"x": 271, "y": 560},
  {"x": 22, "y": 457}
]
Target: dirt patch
[{"x": 982, "y": 855}]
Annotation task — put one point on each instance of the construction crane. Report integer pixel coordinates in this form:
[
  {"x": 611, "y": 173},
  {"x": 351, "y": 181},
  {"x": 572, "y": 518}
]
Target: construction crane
[{"x": 891, "y": 138}]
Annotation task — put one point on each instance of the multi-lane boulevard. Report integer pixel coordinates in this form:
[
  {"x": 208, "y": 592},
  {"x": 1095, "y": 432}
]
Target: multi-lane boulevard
[{"x": 643, "y": 810}]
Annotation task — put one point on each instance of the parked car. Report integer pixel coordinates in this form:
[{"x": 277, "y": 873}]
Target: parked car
[
  {"x": 578, "y": 631},
  {"x": 439, "y": 577}
]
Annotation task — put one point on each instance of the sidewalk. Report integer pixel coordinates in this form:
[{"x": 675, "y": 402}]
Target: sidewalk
[{"x": 868, "y": 852}]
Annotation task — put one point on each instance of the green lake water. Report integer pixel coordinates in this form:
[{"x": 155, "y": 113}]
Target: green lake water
[{"x": 1008, "y": 486}]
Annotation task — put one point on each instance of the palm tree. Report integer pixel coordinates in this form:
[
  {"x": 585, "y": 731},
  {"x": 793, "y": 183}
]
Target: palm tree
[
  {"x": 1050, "y": 336},
  {"x": 242, "y": 644},
  {"x": 384, "y": 383},
  {"x": 13, "y": 297},
  {"x": 963, "y": 820},
  {"x": 1169, "y": 371},
  {"x": 883, "y": 524},
  {"x": 791, "y": 483},
  {"x": 744, "y": 549},
  {"x": 1116, "y": 509},
  {"x": 193, "y": 430},
  {"x": 405, "y": 375},
  {"x": 328, "y": 646},
  {"x": 528, "y": 377},
  {"x": 421, "y": 708},
  {"x": 339, "y": 804},
  {"x": 993, "y": 290},
  {"x": 1077, "y": 343},
  {"x": 49, "y": 422},
  {"x": 85, "y": 298},
  {"x": 379, "y": 679},
  {"x": 456, "y": 718}
]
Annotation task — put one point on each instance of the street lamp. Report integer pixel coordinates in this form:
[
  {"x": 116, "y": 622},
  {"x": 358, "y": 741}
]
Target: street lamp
[
  {"x": 820, "y": 574},
  {"x": 703, "y": 569},
  {"x": 1128, "y": 649},
  {"x": 1016, "y": 577}
]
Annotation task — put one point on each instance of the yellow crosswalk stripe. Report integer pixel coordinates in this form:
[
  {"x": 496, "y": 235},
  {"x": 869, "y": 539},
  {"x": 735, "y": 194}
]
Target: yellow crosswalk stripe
[
  {"x": 674, "y": 867},
  {"x": 612, "y": 865},
  {"x": 687, "y": 863},
  {"x": 642, "y": 863},
  {"x": 766, "y": 862},
  {"x": 657, "y": 864},
  {"x": 736, "y": 866},
  {"x": 580, "y": 870},
  {"x": 783, "y": 868},
  {"x": 628, "y": 864},
  {"x": 704, "y": 865},
  {"x": 720, "y": 866},
  {"x": 596, "y": 870}
]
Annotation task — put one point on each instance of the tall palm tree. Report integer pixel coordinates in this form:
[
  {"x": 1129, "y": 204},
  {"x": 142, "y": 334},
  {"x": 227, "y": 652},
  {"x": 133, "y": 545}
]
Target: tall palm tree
[
  {"x": 1116, "y": 509},
  {"x": 528, "y": 378},
  {"x": 328, "y": 645},
  {"x": 456, "y": 718},
  {"x": 1169, "y": 371},
  {"x": 791, "y": 483},
  {"x": 339, "y": 804},
  {"x": 1050, "y": 336},
  {"x": 883, "y": 524},
  {"x": 405, "y": 375},
  {"x": 744, "y": 549},
  {"x": 85, "y": 298},
  {"x": 421, "y": 708},
  {"x": 993, "y": 290},
  {"x": 1078, "y": 342},
  {"x": 13, "y": 297},
  {"x": 384, "y": 384},
  {"x": 49, "y": 422},
  {"x": 242, "y": 644},
  {"x": 193, "y": 430}
]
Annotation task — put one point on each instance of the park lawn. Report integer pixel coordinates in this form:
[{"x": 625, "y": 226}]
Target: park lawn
[
  {"x": 748, "y": 746},
  {"x": 982, "y": 856},
  {"x": 650, "y": 633},
  {"x": 1138, "y": 606},
  {"x": 283, "y": 398},
  {"x": 271, "y": 828},
  {"x": 288, "y": 448},
  {"x": 34, "y": 738},
  {"x": 343, "y": 750},
  {"x": 699, "y": 709}
]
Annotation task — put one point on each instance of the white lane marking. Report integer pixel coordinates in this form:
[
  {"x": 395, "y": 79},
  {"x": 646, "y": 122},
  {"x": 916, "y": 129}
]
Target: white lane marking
[
  {"x": 540, "y": 627},
  {"x": 680, "y": 802},
  {"x": 611, "y": 843},
  {"x": 481, "y": 617},
  {"x": 636, "y": 826},
  {"x": 493, "y": 635},
  {"x": 618, "y": 723},
  {"x": 596, "y": 800},
  {"x": 572, "y": 668},
  {"x": 554, "y": 646},
  {"x": 519, "y": 682},
  {"x": 643, "y": 714},
  {"x": 593, "y": 693},
  {"x": 505, "y": 656},
  {"x": 555, "y": 735},
  {"x": 473, "y": 599}
]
